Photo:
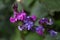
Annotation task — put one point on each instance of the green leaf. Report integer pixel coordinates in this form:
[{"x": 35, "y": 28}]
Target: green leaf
[
  {"x": 27, "y": 2},
  {"x": 57, "y": 22},
  {"x": 2, "y": 21},
  {"x": 19, "y": 7},
  {"x": 48, "y": 37},
  {"x": 57, "y": 25},
  {"x": 58, "y": 36},
  {"x": 33, "y": 36},
  {"x": 2, "y": 6},
  {"x": 16, "y": 36},
  {"x": 39, "y": 10},
  {"x": 52, "y": 4}
]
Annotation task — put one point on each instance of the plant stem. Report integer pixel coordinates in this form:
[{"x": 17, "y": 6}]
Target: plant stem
[{"x": 22, "y": 36}]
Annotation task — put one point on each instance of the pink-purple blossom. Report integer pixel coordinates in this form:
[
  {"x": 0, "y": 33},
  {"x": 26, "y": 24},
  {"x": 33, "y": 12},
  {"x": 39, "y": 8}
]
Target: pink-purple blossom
[
  {"x": 21, "y": 16},
  {"x": 40, "y": 30},
  {"x": 43, "y": 20},
  {"x": 46, "y": 21},
  {"x": 33, "y": 17},
  {"x": 13, "y": 20},
  {"x": 29, "y": 22}
]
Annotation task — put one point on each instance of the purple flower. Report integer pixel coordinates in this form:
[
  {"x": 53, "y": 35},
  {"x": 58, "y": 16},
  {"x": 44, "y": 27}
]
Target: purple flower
[
  {"x": 20, "y": 28},
  {"x": 15, "y": 6},
  {"x": 15, "y": 13},
  {"x": 33, "y": 17},
  {"x": 29, "y": 25},
  {"x": 12, "y": 19},
  {"x": 46, "y": 21},
  {"x": 26, "y": 26},
  {"x": 50, "y": 22},
  {"x": 21, "y": 16},
  {"x": 43, "y": 20},
  {"x": 40, "y": 30},
  {"x": 53, "y": 33},
  {"x": 28, "y": 18}
]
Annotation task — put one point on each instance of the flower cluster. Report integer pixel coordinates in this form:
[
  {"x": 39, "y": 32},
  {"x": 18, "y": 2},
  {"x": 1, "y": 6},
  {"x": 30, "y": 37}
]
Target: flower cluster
[
  {"x": 46, "y": 21},
  {"x": 29, "y": 22}
]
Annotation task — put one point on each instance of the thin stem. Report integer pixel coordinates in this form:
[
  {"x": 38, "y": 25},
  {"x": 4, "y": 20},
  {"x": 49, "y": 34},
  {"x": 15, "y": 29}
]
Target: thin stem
[{"x": 22, "y": 36}]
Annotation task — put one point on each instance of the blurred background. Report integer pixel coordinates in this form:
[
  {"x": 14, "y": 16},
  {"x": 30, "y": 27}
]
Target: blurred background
[{"x": 41, "y": 8}]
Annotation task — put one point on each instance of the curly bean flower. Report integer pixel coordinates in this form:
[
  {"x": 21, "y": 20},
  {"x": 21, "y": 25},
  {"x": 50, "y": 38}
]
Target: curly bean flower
[
  {"x": 50, "y": 22},
  {"x": 40, "y": 30},
  {"x": 33, "y": 17},
  {"x": 15, "y": 6},
  {"x": 27, "y": 25},
  {"x": 43, "y": 20},
  {"x": 21, "y": 16},
  {"x": 29, "y": 22},
  {"x": 53, "y": 33},
  {"x": 46, "y": 21},
  {"x": 13, "y": 20},
  {"x": 20, "y": 28}
]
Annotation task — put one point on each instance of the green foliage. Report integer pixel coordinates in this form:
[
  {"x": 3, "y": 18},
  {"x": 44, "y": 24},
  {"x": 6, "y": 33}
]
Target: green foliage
[
  {"x": 40, "y": 8},
  {"x": 52, "y": 4},
  {"x": 33, "y": 36},
  {"x": 48, "y": 37},
  {"x": 16, "y": 36}
]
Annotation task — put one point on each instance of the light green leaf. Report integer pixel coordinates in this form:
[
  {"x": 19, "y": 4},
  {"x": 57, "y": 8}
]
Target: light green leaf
[
  {"x": 39, "y": 10},
  {"x": 52, "y": 4},
  {"x": 16, "y": 36},
  {"x": 58, "y": 36},
  {"x": 19, "y": 7},
  {"x": 2, "y": 6},
  {"x": 27, "y": 2},
  {"x": 48, "y": 37},
  {"x": 33, "y": 36}
]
